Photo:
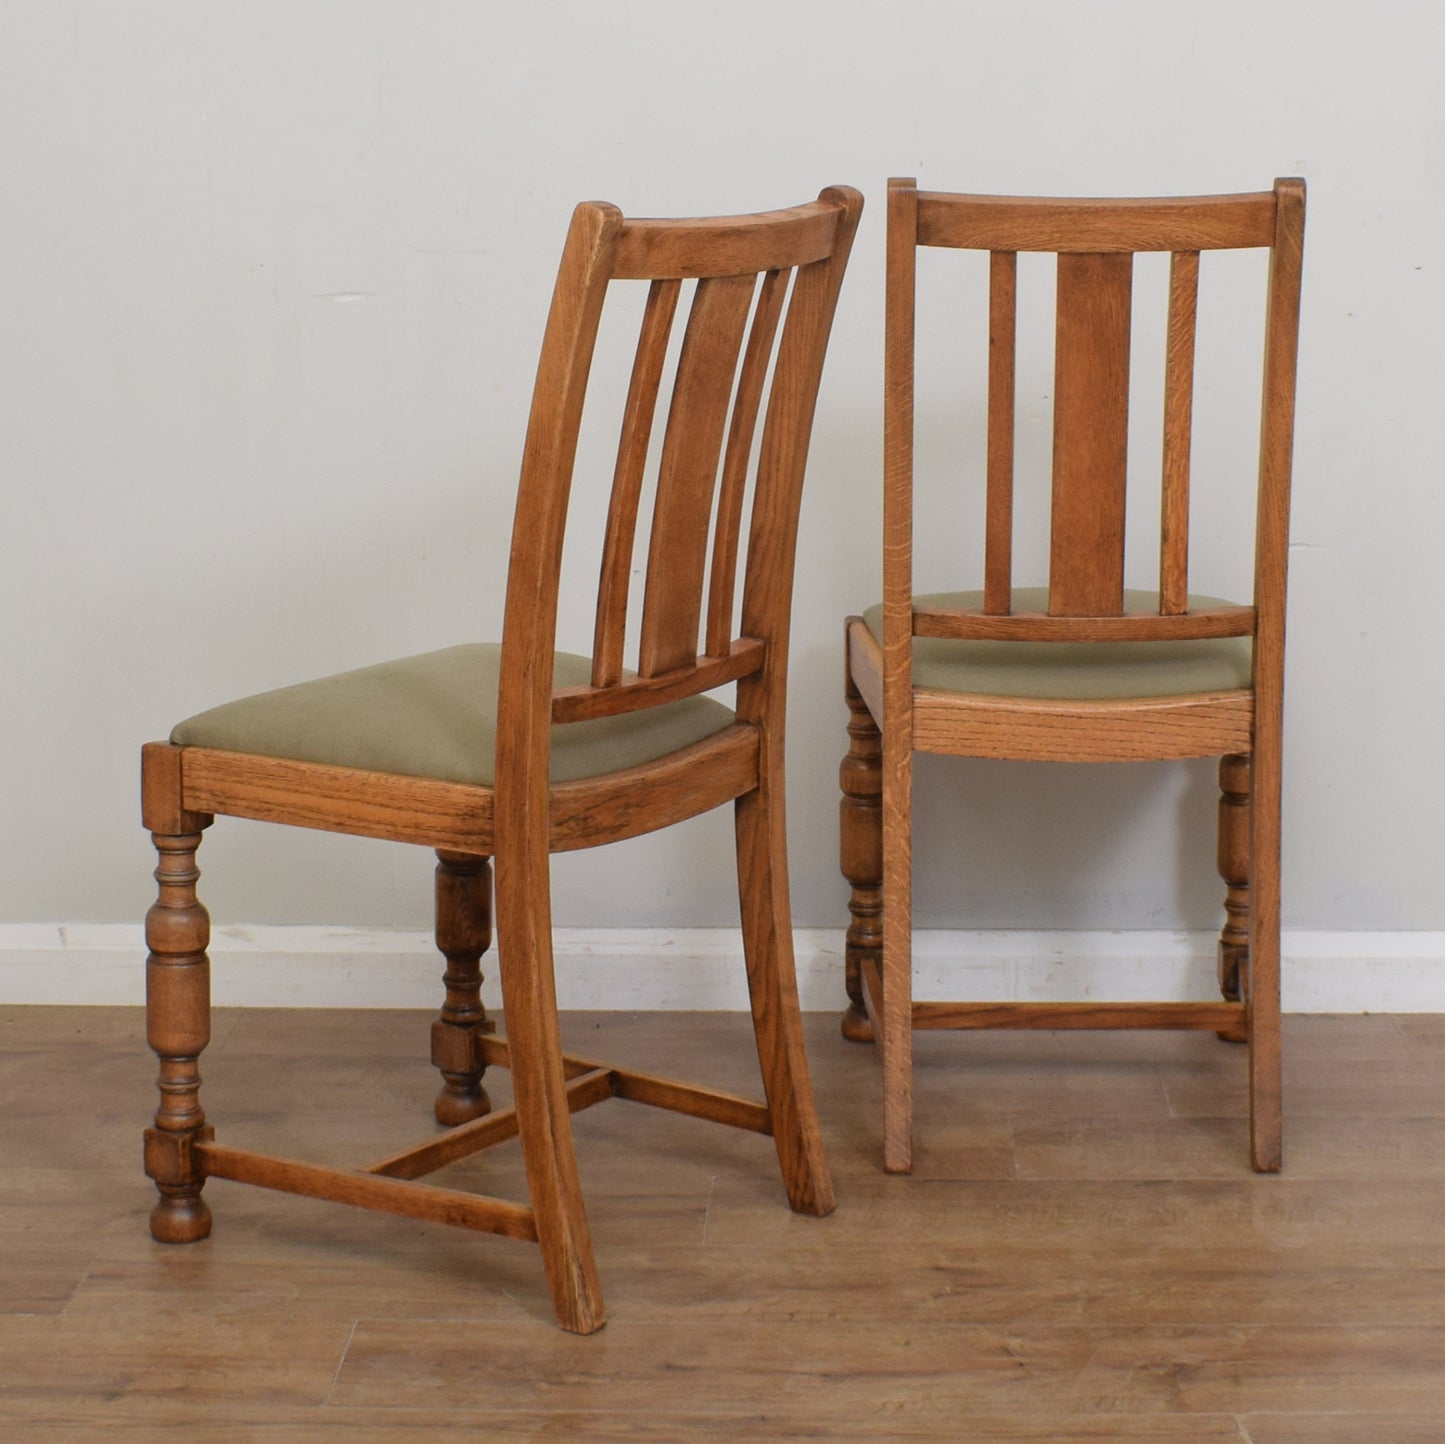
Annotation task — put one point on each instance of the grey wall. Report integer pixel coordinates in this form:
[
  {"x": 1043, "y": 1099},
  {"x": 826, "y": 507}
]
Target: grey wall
[{"x": 272, "y": 281}]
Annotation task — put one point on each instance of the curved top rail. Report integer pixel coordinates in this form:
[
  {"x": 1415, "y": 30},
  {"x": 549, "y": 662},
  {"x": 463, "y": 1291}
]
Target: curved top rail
[{"x": 726, "y": 245}]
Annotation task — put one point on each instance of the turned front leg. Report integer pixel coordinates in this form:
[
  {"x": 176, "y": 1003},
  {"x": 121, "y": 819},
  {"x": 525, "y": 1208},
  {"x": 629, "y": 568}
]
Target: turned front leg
[
  {"x": 178, "y": 1027},
  {"x": 1234, "y": 803},
  {"x": 860, "y": 839},
  {"x": 463, "y": 934}
]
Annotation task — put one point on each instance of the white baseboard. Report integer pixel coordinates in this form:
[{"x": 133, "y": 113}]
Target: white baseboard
[{"x": 701, "y": 968}]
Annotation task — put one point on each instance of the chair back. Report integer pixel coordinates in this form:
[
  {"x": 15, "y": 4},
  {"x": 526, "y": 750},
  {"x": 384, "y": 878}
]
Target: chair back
[
  {"x": 1095, "y": 242},
  {"x": 758, "y": 293}
]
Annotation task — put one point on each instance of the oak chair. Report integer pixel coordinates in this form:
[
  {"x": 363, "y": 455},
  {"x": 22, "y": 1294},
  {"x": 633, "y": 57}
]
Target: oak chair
[
  {"x": 1082, "y": 669},
  {"x": 516, "y": 751}
]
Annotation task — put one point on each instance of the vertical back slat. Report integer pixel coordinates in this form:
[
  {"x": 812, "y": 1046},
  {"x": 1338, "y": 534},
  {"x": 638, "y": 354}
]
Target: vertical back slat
[
  {"x": 1091, "y": 433},
  {"x": 1178, "y": 425},
  {"x": 723, "y": 572},
  {"x": 627, "y": 482},
  {"x": 672, "y": 601},
  {"x": 998, "y": 523}
]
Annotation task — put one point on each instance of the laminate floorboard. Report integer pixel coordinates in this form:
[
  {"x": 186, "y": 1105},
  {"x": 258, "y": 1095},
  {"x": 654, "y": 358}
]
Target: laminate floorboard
[{"x": 1082, "y": 1254}]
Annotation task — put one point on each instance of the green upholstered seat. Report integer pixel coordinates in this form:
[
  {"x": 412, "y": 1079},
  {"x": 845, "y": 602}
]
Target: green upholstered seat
[
  {"x": 435, "y": 716},
  {"x": 1073, "y": 671}
]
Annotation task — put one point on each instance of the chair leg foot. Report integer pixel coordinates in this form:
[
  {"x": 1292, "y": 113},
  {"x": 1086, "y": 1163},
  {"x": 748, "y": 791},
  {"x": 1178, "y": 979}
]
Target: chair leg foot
[
  {"x": 1266, "y": 1122},
  {"x": 454, "y": 1106},
  {"x": 855, "y": 1025},
  {"x": 897, "y": 1152},
  {"x": 463, "y": 935},
  {"x": 897, "y": 1045},
  {"x": 1265, "y": 1151},
  {"x": 182, "y": 1218}
]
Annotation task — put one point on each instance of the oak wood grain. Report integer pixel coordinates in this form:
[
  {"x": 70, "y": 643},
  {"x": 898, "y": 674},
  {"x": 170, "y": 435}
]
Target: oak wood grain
[
  {"x": 729, "y": 245},
  {"x": 1178, "y": 432},
  {"x": 1094, "y": 242},
  {"x": 341, "y": 799},
  {"x": 583, "y": 704},
  {"x": 687, "y": 479},
  {"x": 632, "y": 450},
  {"x": 892, "y": 1020},
  {"x": 1091, "y": 434},
  {"x": 1028, "y": 729},
  {"x": 1002, "y": 356},
  {"x": 722, "y": 574},
  {"x": 1281, "y": 352},
  {"x": 798, "y": 254},
  {"x": 365, "y": 1190},
  {"x": 1212, "y": 1016},
  {"x": 860, "y": 851},
  {"x": 1017, "y": 626},
  {"x": 1038, "y": 223},
  {"x": 463, "y": 933}
]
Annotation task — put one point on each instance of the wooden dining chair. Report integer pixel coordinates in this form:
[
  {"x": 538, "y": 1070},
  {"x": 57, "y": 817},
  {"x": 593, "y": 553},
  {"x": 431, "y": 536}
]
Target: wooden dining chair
[
  {"x": 1081, "y": 669},
  {"x": 515, "y": 751}
]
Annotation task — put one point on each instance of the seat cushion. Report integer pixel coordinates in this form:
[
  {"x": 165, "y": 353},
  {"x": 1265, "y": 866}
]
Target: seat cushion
[
  {"x": 435, "y": 716},
  {"x": 1072, "y": 671}
]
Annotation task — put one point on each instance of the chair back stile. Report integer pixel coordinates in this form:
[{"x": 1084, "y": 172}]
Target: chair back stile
[
  {"x": 724, "y": 258},
  {"x": 898, "y": 388},
  {"x": 773, "y": 525},
  {"x": 1281, "y": 351},
  {"x": 529, "y": 627}
]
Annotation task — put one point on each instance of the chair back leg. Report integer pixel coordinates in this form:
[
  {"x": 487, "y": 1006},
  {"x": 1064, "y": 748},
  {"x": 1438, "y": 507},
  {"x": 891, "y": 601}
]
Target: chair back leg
[
  {"x": 529, "y": 1001},
  {"x": 1263, "y": 980},
  {"x": 773, "y": 991},
  {"x": 897, "y": 1029}
]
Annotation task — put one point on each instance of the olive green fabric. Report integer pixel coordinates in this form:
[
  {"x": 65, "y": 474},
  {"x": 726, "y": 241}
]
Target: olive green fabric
[
  {"x": 435, "y": 715},
  {"x": 1072, "y": 671}
]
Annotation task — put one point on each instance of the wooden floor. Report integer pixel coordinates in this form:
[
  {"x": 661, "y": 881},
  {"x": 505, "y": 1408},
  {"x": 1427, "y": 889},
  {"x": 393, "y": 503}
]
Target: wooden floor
[{"x": 1081, "y": 1254}]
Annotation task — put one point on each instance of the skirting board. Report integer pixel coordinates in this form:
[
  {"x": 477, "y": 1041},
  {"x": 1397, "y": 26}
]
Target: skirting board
[{"x": 702, "y": 968}]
